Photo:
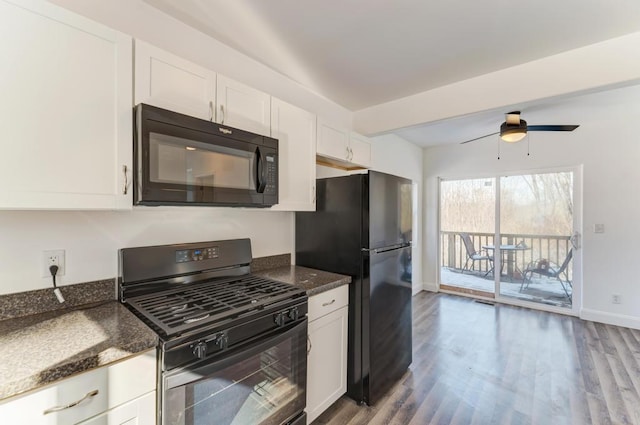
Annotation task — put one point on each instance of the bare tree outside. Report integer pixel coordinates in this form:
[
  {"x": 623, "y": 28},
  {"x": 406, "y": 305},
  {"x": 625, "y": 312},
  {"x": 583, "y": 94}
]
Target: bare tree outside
[
  {"x": 533, "y": 204},
  {"x": 537, "y": 204},
  {"x": 535, "y": 210}
]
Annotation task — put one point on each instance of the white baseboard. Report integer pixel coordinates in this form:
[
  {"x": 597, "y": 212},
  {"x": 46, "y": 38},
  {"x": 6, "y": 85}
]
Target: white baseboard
[
  {"x": 610, "y": 318},
  {"x": 431, "y": 287}
]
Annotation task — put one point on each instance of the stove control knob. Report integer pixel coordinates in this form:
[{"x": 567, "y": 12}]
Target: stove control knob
[
  {"x": 200, "y": 350},
  {"x": 279, "y": 319},
  {"x": 222, "y": 341},
  {"x": 293, "y": 313}
]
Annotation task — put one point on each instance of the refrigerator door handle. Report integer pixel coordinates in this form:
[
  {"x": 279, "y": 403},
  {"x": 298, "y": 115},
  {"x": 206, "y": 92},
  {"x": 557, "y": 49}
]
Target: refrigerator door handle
[{"x": 386, "y": 248}]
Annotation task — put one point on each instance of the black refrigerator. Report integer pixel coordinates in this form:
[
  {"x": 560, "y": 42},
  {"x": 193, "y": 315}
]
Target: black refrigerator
[{"x": 362, "y": 227}]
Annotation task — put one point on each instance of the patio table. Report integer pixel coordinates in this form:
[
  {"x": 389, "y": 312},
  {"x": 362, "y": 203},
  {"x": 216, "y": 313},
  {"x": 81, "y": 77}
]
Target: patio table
[{"x": 507, "y": 257}]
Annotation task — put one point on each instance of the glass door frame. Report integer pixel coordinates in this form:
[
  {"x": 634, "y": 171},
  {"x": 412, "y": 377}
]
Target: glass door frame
[{"x": 576, "y": 295}]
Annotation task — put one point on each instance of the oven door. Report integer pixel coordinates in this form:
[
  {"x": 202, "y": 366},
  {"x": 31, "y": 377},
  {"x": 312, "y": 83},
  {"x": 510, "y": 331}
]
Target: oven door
[
  {"x": 182, "y": 160},
  {"x": 264, "y": 383}
]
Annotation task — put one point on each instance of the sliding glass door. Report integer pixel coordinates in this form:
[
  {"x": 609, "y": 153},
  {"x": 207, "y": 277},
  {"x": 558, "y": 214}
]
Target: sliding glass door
[
  {"x": 467, "y": 223},
  {"x": 536, "y": 227},
  {"x": 512, "y": 237}
]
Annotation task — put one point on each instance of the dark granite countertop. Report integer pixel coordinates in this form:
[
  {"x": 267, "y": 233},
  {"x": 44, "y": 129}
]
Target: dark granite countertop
[
  {"x": 39, "y": 349},
  {"x": 313, "y": 281}
]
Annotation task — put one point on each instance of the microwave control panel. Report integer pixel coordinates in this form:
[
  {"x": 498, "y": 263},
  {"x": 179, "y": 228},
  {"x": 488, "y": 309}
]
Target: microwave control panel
[
  {"x": 272, "y": 174},
  {"x": 197, "y": 254}
]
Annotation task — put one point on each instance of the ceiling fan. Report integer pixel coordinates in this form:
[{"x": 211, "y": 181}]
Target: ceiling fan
[{"x": 514, "y": 128}]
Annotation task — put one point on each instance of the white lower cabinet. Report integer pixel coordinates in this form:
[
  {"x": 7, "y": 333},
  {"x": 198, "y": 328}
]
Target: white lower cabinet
[
  {"x": 141, "y": 411},
  {"x": 327, "y": 350},
  {"x": 123, "y": 393}
]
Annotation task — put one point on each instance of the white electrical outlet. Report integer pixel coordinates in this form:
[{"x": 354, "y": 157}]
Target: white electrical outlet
[
  {"x": 50, "y": 258},
  {"x": 615, "y": 299}
]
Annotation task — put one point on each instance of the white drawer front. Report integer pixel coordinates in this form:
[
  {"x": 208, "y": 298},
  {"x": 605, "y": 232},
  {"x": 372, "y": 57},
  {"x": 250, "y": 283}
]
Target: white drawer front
[
  {"x": 96, "y": 390},
  {"x": 30, "y": 409},
  {"x": 326, "y": 302}
]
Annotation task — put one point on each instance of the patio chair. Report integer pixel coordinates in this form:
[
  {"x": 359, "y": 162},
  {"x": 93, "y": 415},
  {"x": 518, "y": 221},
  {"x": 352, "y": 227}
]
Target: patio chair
[
  {"x": 473, "y": 255},
  {"x": 544, "y": 267}
]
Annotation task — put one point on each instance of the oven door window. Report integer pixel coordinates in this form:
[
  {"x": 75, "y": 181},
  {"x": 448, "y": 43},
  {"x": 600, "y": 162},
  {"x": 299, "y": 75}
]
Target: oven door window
[
  {"x": 262, "y": 384},
  {"x": 175, "y": 160}
]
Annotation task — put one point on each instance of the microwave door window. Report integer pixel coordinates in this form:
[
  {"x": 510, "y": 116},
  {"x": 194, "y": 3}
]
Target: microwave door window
[{"x": 184, "y": 162}]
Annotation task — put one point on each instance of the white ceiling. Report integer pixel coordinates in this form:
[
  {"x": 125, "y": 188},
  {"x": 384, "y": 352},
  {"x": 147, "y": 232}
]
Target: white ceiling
[
  {"x": 360, "y": 53},
  {"x": 567, "y": 110}
]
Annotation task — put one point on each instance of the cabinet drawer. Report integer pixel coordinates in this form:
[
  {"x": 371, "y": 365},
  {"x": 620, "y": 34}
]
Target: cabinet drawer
[
  {"x": 30, "y": 409},
  {"x": 326, "y": 302},
  {"x": 99, "y": 389}
]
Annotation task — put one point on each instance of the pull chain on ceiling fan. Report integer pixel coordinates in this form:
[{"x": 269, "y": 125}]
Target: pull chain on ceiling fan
[{"x": 514, "y": 128}]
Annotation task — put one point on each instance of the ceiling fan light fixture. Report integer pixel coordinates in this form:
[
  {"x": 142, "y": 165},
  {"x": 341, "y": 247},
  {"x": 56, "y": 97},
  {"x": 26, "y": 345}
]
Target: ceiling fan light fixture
[{"x": 513, "y": 133}]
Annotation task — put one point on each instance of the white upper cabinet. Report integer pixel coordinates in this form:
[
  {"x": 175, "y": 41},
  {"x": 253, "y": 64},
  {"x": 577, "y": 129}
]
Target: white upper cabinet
[
  {"x": 295, "y": 130},
  {"x": 360, "y": 149},
  {"x": 167, "y": 81},
  {"x": 340, "y": 148},
  {"x": 333, "y": 141},
  {"x": 65, "y": 114},
  {"x": 243, "y": 107}
]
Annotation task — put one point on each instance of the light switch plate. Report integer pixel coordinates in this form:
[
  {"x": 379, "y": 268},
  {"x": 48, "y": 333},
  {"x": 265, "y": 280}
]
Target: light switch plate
[{"x": 598, "y": 228}]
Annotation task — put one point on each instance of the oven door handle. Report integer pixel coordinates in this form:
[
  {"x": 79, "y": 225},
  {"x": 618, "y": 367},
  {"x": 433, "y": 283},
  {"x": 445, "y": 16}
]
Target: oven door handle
[{"x": 186, "y": 376}]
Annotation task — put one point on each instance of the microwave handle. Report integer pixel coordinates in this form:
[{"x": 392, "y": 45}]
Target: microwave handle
[{"x": 261, "y": 181}]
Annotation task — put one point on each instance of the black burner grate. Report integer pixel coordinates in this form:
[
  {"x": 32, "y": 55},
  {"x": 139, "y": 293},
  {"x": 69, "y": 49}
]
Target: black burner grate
[{"x": 177, "y": 310}]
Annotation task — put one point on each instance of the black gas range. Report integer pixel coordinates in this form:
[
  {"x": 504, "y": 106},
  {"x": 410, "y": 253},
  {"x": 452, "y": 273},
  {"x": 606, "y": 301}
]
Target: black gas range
[{"x": 232, "y": 345}]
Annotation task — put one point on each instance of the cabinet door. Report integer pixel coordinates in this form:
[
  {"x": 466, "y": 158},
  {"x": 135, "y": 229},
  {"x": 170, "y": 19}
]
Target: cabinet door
[
  {"x": 295, "y": 130},
  {"x": 333, "y": 142},
  {"x": 66, "y": 119},
  {"x": 243, "y": 107},
  {"x": 326, "y": 362},
  {"x": 141, "y": 411},
  {"x": 360, "y": 148},
  {"x": 167, "y": 81}
]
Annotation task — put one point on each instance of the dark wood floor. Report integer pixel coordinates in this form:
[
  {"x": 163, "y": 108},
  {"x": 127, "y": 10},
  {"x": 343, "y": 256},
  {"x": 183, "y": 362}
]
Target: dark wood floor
[{"x": 475, "y": 363}]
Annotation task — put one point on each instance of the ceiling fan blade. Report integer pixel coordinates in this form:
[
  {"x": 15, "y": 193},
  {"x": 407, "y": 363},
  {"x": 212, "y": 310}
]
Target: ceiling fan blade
[
  {"x": 481, "y": 137},
  {"x": 552, "y": 127}
]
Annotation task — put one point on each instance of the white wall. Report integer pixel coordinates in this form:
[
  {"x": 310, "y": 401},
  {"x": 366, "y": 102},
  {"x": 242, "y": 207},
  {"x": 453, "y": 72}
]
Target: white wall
[
  {"x": 91, "y": 239},
  {"x": 607, "y": 145}
]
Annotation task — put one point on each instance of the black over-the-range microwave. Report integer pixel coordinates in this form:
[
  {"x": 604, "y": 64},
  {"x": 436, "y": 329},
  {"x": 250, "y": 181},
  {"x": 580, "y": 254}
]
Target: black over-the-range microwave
[{"x": 182, "y": 160}]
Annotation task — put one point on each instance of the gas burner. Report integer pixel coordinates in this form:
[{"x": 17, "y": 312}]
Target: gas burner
[{"x": 175, "y": 311}]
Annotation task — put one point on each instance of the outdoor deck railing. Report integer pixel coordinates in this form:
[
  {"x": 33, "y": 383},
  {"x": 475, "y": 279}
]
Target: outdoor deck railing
[{"x": 553, "y": 248}]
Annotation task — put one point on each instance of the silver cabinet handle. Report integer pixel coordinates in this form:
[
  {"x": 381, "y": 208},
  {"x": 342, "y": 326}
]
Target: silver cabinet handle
[
  {"x": 329, "y": 303},
  {"x": 87, "y": 396},
  {"x": 313, "y": 189},
  {"x": 222, "y": 112},
  {"x": 308, "y": 345},
  {"x": 347, "y": 153},
  {"x": 211, "y": 110},
  {"x": 125, "y": 187},
  {"x": 351, "y": 152}
]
